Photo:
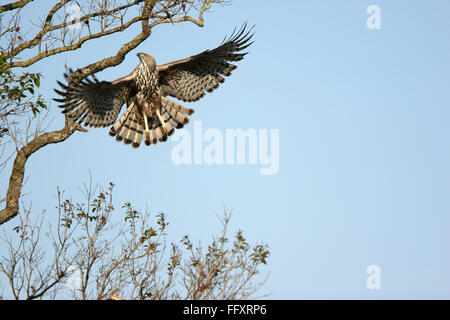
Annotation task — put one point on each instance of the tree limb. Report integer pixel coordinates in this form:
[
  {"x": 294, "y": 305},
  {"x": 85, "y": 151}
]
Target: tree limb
[
  {"x": 14, "y": 5},
  {"x": 18, "y": 170}
]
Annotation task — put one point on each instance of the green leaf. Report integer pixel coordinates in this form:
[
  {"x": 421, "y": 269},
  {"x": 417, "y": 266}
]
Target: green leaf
[{"x": 37, "y": 80}]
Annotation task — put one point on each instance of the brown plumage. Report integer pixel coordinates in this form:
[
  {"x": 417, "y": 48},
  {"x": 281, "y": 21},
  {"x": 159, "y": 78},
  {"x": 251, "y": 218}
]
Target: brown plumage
[{"x": 149, "y": 114}]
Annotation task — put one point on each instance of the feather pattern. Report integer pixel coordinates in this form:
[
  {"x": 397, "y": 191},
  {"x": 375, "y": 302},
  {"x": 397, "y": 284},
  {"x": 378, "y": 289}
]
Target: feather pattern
[
  {"x": 93, "y": 103},
  {"x": 190, "y": 78}
]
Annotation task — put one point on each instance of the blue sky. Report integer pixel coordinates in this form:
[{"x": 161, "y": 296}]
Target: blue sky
[{"x": 364, "y": 137}]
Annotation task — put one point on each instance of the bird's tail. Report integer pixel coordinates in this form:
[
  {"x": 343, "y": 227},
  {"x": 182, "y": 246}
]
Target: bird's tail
[
  {"x": 128, "y": 128},
  {"x": 131, "y": 129},
  {"x": 174, "y": 116}
]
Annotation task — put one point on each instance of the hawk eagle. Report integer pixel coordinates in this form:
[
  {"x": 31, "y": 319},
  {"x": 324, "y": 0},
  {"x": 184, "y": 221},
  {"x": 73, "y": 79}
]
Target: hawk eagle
[{"x": 149, "y": 112}]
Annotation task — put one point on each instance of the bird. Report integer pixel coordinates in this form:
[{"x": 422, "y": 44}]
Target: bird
[{"x": 149, "y": 113}]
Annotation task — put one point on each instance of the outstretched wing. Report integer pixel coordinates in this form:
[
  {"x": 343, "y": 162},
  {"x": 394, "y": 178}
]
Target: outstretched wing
[
  {"x": 95, "y": 103},
  {"x": 188, "y": 79}
]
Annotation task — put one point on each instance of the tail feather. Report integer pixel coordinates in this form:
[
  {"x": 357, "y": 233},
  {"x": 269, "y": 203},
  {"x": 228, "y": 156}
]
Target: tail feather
[
  {"x": 122, "y": 132},
  {"x": 176, "y": 112},
  {"x": 115, "y": 128},
  {"x": 130, "y": 127},
  {"x": 151, "y": 139},
  {"x": 170, "y": 124},
  {"x": 160, "y": 134},
  {"x": 138, "y": 137},
  {"x": 132, "y": 124},
  {"x": 178, "y": 107}
]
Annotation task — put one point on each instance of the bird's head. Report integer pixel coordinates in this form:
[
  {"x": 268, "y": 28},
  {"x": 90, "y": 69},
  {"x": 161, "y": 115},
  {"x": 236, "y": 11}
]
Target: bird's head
[{"x": 148, "y": 60}]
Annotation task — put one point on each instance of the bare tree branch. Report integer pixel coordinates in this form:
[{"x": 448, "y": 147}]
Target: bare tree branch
[
  {"x": 18, "y": 170},
  {"x": 167, "y": 12},
  {"x": 14, "y": 5}
]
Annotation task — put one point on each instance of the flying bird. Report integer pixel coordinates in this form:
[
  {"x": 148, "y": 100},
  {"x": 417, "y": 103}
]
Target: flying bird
[{"x": 149, "y": 113}]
